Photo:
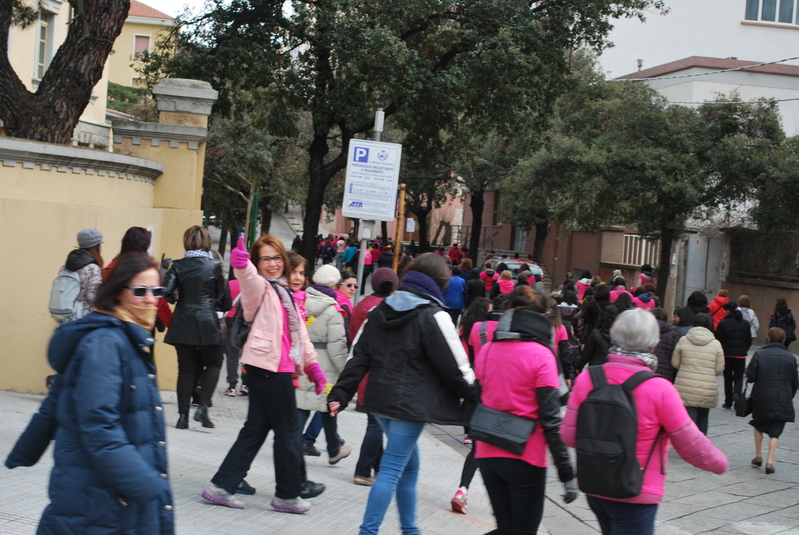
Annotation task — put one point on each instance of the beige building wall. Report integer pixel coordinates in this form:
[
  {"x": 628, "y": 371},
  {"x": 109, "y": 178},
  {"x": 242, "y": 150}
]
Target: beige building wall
[
  {"x": 121, "y": 62},
  {"x": 49, "y": 192}
]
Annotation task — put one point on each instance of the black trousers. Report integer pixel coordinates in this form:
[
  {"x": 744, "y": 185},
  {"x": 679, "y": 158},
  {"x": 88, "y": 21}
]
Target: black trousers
[
  {"x": 193, "y": 362},
  {"x": 517, "y": 490},
  {"x": 734, "y": 368},
  {"x": 329, "y": 424},
  {"x": 232, "y": 357},
  {"x": 272, "y": 408},
  {"x": 371, "y": 448}
]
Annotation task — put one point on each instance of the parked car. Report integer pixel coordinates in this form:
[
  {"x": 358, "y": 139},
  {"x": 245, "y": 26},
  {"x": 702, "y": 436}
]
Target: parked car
[{"x": 513, "y": 266}]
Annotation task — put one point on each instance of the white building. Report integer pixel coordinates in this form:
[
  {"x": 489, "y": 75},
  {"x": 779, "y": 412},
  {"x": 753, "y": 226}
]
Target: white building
[{"x": 711, "y": 35}]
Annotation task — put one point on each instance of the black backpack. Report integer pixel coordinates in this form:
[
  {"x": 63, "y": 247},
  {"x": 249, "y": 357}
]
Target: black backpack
[
  {"x": 607, "y": 430},
  {"x": 327, "y": 250}
]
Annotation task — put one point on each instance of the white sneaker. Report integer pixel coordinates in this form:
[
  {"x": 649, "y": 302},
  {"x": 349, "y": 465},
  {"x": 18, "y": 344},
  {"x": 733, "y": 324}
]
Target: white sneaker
[
  {"x": 220, "y": 496},
  {"x": 296, "y": 505},
  {"x": 231, "y": 392}
]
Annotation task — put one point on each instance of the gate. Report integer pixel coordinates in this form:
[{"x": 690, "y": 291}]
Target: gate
[{"x": 702, "y": 266}]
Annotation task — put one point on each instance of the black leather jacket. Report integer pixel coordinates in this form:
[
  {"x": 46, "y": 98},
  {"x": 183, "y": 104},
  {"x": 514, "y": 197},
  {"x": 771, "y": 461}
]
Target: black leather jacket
[{"x": 200, "y": 290}]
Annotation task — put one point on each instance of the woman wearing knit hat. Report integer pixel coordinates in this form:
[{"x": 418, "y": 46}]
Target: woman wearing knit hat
[
  {"x": 329, "y": 337},
  {"x": 88, "y": 263}
]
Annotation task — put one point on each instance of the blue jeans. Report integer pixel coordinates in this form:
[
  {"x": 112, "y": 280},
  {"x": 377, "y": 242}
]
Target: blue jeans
[
  {"x": 312, "y": 431},
  {"x": 621, "y": 518},
  {"x": 399, "y": 469}
]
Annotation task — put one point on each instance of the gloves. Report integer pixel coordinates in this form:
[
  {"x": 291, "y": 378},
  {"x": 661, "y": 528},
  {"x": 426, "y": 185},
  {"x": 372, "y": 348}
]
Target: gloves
[
  {"x": 165, "y": 262},
  {"x": 571, "y": 491},
  {"x": 239, "y": 256},
  {"x": 317, "y": 376}
]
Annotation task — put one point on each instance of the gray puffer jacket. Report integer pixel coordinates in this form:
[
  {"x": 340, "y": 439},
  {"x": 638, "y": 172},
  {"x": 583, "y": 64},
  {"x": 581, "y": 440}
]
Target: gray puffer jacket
[
  {"x": 326, "y": 331},
  {"x": 698, "y": 358}
]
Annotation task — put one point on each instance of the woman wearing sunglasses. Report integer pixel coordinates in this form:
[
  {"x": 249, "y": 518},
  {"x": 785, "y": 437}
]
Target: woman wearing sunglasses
[
  {"x": 198, "y": 286},
  {"x": 110, "y": 473}
]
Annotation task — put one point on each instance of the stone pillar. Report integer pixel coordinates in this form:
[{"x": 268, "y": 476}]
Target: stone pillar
[{"x": 184, "y": 102}]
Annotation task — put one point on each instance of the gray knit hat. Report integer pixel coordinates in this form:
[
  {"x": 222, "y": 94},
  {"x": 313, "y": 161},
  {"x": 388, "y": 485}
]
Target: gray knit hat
[{"x": 89, "y": 237}]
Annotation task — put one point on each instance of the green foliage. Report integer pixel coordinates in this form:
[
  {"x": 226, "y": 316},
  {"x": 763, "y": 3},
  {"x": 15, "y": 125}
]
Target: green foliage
[
  {"x": 23, "y": 14},
  {"x": 125, "y": 99}
]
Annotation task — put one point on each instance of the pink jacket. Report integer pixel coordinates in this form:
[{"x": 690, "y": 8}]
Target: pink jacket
[
  {"x": 263, "y": 348},
  {"x": 582, "y": 287},
  {"x": 473, "y": 339},
  {"x": 509, "y": 373},
  {"x": 614, "y": 294},
  {"x": 659, "y": 406},
  {"x": 506, "y": 286}
]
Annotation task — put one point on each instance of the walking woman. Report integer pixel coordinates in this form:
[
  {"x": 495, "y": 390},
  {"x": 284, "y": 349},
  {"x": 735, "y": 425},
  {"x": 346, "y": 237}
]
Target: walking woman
[
  {"x": 518, "y": 374},
  {"x": 661, "y": 417},
  {"x": 198, "y": 286},
  {"x": 88, "y": 263},
  {"x": 699, "y": 359},
  {"x": 277, "y": 347},
  {"x": 105, "y": 413},
  {"x": 783, "y": 318},
  {"x": 419, "y": 373},
  {"x": 773, "y": 371},
  {"x": 735, "y": 335}
]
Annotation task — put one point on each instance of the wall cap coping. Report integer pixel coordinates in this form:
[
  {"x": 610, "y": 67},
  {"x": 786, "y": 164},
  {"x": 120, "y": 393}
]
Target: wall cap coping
[
  {"x": 157, "y": 132},
  {"x": 79, "y": 160},
  {"x": 185, "y": 96},
  {"x": 763, "y": 282}
]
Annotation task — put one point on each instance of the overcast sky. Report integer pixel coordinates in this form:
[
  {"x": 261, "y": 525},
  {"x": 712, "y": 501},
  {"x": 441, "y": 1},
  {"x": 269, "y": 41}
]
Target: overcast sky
[{"x": 173, "y": 7}]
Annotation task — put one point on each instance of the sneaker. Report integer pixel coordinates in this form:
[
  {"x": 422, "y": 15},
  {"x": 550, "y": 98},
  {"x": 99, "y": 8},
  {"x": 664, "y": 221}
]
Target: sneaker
[
  {"x": 231, "y": 392},
  {"x": 343, "y": 452},
  {"x": 219, "y": 496},
  {"x": 244, "y": 390},
  {"x": 310, "y": 451},
  {"x": 245, "y": 488},
  {"x": 467, "y": 440},
  {"x": 311, "y": 489},
  {"x": 366, "y": 481},
  {"x": 295, "y": 505},
  {"x": 458, "y": 502},
  {"x": 726, "y": 406}
]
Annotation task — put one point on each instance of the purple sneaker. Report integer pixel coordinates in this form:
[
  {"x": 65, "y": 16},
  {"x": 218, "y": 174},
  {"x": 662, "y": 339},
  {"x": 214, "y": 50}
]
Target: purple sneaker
[
  {"x": 296, "y": 505},
  {"x": 220, "y": 496}
]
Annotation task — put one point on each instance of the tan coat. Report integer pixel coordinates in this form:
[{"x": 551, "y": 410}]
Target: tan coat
[
  {"x": 698, "y": 358},
  {"x": 326, "y": 330}
]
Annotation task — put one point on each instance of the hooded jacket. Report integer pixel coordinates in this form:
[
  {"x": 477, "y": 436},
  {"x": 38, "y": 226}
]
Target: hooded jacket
[
  {"x": 110, "y": 473},
  {"x": 783, "y": 318},
  {"x": 665, "y": 349},
  {"x": 716, "y": 308},
  {"x": 773, "y": 370},
  {"x": 596, "y": 348},
  {"x": 326, "y": 331},
  {"x": 574, "y": 315},
  {"x": 644, "y": 301},
  {"x": 91, "y": 277},
  {"x": 418, "y": 369},
  {"x": 200, "y": 290},
  {"x": 454, "y": 295},
  {"x": 518, "y": 374},
  {"x": 475, "y": 287},
  {"x": 698, "y": 358},
  {"x": 582, "y": 285}
]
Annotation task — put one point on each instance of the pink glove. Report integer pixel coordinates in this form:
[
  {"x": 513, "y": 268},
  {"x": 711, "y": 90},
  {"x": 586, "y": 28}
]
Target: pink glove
[
  {"x": 317, "y": 376},
  {"x": 239, "y": 257}
]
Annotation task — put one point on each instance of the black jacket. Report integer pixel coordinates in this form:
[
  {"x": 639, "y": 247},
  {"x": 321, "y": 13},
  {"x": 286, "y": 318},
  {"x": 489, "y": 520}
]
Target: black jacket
[
  {"x": 386, "y": 260},
  {"x": 592, "y": 314},
  {"x": 783, "y": 318},
  {"x": 596, "y": 348},
  {"x": 418, "y": 369},
  {"x": 200, "y": 290},
  {"x": 474, "y": 288},
  {"x": 773, "y": 370},
  {"x": 735, "y": 336},
  {"x": 665, "y": 349}
]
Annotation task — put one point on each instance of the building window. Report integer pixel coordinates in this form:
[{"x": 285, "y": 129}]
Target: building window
[
  {"x": 639, "y": 251},
  {"x": 772, "y": 11},
  {"x": 141, "y": 44},
  {"x": 44, "y": 43}
]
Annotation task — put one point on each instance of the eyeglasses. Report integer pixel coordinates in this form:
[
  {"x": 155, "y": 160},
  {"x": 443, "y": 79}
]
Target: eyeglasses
[
  {"x": 268, "y": 259},
  {"x": 140, "y": 291},
  {"x": 351, "y": 285}
]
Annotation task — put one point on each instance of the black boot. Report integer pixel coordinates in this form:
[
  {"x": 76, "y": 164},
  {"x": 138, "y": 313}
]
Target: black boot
[
  {"x": 202, "y": 416},
  {"x": 183, "y": 422},
  {"x": 311, "y": 489}
]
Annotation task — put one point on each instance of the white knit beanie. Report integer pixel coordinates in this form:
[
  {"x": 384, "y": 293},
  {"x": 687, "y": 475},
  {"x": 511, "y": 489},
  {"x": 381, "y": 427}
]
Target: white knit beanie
[{"x": 327, "y": 275}]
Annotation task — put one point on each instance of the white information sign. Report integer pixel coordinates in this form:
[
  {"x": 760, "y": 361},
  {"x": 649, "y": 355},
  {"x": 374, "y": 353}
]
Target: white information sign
[
  {"x": 370, "y": 189},
  {"x": 410, "y": 225}
]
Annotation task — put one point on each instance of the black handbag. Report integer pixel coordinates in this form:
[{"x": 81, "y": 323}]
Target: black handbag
[
  {"x": 743, "y": 406},
  {"x": 498, "y": 428},
  {"x": 501, "y": 429}
]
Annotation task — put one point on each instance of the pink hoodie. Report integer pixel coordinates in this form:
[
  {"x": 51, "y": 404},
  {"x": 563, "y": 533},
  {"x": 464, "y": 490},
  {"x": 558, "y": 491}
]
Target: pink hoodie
[
  {"x": 659, "y": 405},
  {"x": 506, "y": 286}
]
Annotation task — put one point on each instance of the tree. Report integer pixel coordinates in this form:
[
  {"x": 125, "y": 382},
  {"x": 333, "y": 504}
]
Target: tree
[
  {"x": 52, "y": 112},
  {"x": 430, "y": 64},
  {"x": 423, "y": 193}
]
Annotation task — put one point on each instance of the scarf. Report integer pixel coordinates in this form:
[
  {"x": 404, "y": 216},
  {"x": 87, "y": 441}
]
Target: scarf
[
  {"x": 198, "y": 253},
  {"x": 144, "y": 317},
  {"x": 281, "y": 289},
  {"x": 421, "y": 282},
  {"x": 648, "y": 358}
]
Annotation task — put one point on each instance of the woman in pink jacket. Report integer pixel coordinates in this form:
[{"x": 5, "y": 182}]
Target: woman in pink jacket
[
  {"x": 634, "y": 335},
  {"x": 277, "y": 347}
]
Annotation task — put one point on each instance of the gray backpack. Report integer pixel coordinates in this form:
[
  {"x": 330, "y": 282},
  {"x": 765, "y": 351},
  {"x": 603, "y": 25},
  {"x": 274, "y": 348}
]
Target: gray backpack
[{"x": 64, "y": 294}]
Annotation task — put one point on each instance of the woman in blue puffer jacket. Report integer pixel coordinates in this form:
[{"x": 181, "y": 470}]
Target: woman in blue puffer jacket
[{"x": 110, "y": 473}]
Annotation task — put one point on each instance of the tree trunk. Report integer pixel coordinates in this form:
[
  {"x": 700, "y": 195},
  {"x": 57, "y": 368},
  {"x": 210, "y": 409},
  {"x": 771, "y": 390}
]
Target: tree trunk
[
  {"x": 266, "y": 215},
  {"x": 316, "y": 196},
  {"x": 384, "y": 231},
  {"x": 541, "y": 232},
  {"x": 666, "y": 241},
  {"x": 52, "y": 113},
  {"x": 357, "y": 226},
  {"x": 233, "y": 242},
  {"x": 477, "y": 204},
  {"x": 223, "y": 243},
  {"x": 424, "y": 240}
]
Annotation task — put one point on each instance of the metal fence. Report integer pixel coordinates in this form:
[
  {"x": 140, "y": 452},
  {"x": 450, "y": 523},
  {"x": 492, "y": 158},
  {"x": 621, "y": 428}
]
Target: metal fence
[
  {"x": 765, "y": 255},
  {"x": 639, "y": 251}
]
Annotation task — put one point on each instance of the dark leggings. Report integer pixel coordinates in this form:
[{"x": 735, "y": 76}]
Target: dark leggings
[
  {"x": 469, "y": 466},
  {"x": 192, "y": 360},
  {"x": 516, "y": 489},
  {"x": 734, "y": 368}
]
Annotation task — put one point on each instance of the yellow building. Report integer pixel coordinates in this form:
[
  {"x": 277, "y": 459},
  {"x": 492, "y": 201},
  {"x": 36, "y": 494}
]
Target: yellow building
[{"x": 140, "y": 33}]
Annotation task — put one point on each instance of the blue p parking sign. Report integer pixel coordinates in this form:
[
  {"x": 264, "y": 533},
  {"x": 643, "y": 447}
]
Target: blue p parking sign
[{"x": 361, "y": 154}]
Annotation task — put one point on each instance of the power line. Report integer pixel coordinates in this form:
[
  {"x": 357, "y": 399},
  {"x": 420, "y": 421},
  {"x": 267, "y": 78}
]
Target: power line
[{"x": 693, "y": 75}]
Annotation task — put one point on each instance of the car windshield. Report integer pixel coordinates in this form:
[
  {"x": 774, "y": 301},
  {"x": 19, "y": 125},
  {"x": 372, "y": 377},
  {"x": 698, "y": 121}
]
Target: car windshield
[{"x": 514, "y": 265}]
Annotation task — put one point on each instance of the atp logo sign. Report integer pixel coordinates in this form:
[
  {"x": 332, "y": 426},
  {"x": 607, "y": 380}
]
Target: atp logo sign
[
  {"x": 361, "y": 155},
  {"x": 355, "y": 204}
]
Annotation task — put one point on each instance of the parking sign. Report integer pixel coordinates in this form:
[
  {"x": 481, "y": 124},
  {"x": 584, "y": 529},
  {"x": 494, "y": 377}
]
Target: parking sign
[{"x": 370, "y": 189}]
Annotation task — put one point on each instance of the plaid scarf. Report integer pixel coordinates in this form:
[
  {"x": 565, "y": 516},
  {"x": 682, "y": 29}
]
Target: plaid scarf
[
  {"x": 198, "y": 253},
  {"x": 648, "y": 358}
]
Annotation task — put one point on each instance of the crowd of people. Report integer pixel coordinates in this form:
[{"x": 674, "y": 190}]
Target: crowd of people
[{"x": 444, "y": 342}]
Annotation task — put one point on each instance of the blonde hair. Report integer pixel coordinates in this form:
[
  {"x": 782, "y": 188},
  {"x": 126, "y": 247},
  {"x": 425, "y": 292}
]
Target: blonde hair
[
  {"x": 507, "y": 275},
  {"x": 196, "y": 238}
]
